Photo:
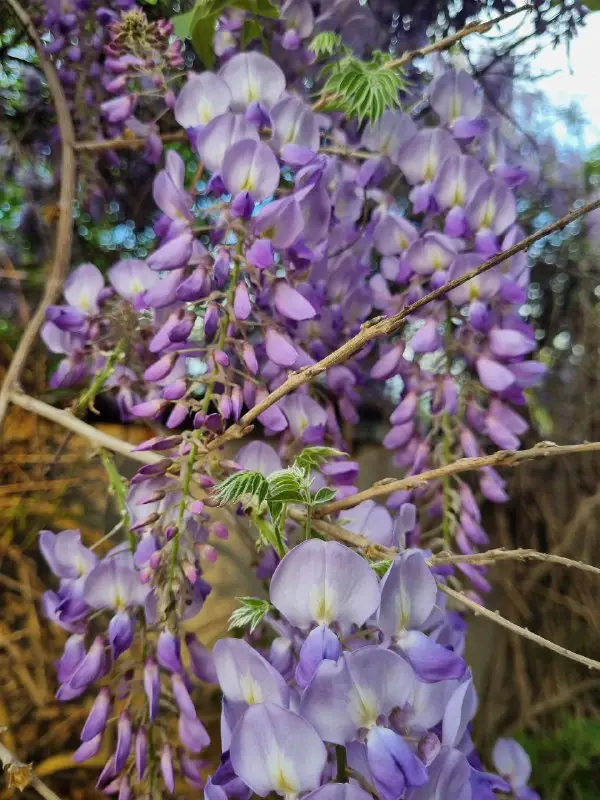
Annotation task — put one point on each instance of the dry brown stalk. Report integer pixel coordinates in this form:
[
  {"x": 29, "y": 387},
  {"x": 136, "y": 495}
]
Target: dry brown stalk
[
  {"x": 72, "y": 423},
  {"x": 20, "y": 776},
  {"x": 496, "y": 617},
  {"x": 501, "y": 458},
  {"x": 64, "y": 232},
  {"x": 126, "y": 143},
  {"x": 449, "y": 41}
]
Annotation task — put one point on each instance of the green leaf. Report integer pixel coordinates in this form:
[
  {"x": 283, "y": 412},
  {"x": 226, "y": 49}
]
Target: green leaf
[
  {"x": 323, "y": 495},
  {"x": 247, "y": 487},
  {"x": 363, "y": 89},
  {"x": 182, "y": 24},
  {"x": 265, "y": 8},
  {"x": 251, "y": 30},
  {"x": 269, "y": 535},
  {"x": 380, "y": 567},
  {"x": 313, "y": 457},
  {"x": 203, "y": 32},
  {"x": 325, "y": 44},
  {"x": 250, "y": 614},
  {"x": 286, "y": 486}
]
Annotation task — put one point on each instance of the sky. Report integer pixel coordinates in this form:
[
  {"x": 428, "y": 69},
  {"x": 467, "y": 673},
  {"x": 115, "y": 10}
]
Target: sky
[{"x": 574, "y": 78}]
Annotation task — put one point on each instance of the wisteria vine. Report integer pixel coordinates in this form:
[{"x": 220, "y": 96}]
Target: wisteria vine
[{"x": 302, "y": 220}]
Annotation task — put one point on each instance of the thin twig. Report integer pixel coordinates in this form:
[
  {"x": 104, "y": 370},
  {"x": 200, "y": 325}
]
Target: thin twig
[
  {"x": 67, "y": 420},
  {"x": 385, "y": 326},
  {"x": 126, "y": 142},
  {"x": 20, "y": 775},
  {"x": 501, "y": 458},
  {"x": 477, "y": 609},
  {"x": 449, "y": 41},
  {"x": 521, "y": 554},
  {"x": 64, "y": 231}
]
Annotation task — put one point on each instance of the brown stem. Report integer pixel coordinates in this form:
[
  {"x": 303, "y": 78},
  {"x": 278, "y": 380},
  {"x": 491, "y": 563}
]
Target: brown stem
[
  {"x": 20, "y": 775},
  {"x": 126, "y": 143},
  {"x": 521, "y": 554},
  {"x": 64, "y": 233},
  {"x": 511, "y": 626},
  {"x": 447, "y": 42},
  {"x": 69, "y": 421},
  {"x": 502, "y": 458},
  {"x": 385, "y": 326}
]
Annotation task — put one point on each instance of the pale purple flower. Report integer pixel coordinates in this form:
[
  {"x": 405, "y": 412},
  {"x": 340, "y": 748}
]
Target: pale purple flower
[
  {"x": 82, "y": 288},
  {"x": 324, "y": 582},
  {"x": 306, "y": 418},
  {"x": 245, "y": 676},
  {"x": 294, "y": 123},
  {"x": 203, "y": 97},
  {"x": 253, "y": 77},
  {"x": 275, "y": 750},
  {"x": 353, "y": 693},
  {"x": 420, "y": 158},
  {"x": 258, "y": 456},
  {"x": 291, "y": 304},
  {"x": 448, "y": 778},
  {"x": 408, "y": 598},
  {"x": 389, "y": 133},
  {"x": 371, "y": 520},
  {"x": 112, "y": 584},
  {"x": 281, "y": 222},
  {"x": 65, "y": 554},
  {"x": 513, "y": 764},
  {"x": 250, "y": 166},
  {"x": 432, "y": 252},
  {"x": 280, "y": 348},
  {"x": 130, "y": 277},
  {"x": 217, "y": 137},
  {"x": 393, "y": 235},
  {"x": 454, "y": 95}
]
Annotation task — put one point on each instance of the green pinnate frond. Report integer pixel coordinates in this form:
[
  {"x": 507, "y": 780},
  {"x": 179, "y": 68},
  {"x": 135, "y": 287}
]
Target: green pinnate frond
[
  {"x": 325, "y": 44},
  {"x": 250, "y": 614},
  {"x": 362, "y": 89},
  {"x": 246, "y": 487}
]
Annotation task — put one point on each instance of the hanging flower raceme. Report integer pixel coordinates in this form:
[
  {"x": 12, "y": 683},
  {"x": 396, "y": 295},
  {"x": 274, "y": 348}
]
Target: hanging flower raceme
[{"x": 278, "y": 250}]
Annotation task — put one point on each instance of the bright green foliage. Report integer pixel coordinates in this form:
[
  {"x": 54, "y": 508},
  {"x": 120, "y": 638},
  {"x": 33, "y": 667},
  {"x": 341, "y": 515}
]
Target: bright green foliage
[
  {"x": 247, "y": 487},
  {"x": 381, "y": 567},
  {"x": 325, "y": 44},
  {"x": 267, "y": 499},
  {"x": 199, "y": 24},
  {"x": 250, "y": 614},
  {"x": 313, "y": 457},
  {"x": 566, "y": 761},
  {"x": 362, "y": 89}
]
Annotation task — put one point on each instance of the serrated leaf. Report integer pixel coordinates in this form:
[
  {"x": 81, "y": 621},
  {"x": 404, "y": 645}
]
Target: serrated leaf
[
  {"x": 202, "y": 36},
  {"x": 325, "y": 44},
  {"x": 381, "y": 567},
  {"x": 286, "y": 486},
  {"x": 182, "y": 24},
  {"x": 312, "y": 457},
  {"x": 364, "y": 89},
  {"x": 251, "y": 30},
  {"x": 247, "y": 487},
  {"x": 250, "y": 614},
  {"x": 269, "y": 535},
  {"x": 323, "y": 495}
]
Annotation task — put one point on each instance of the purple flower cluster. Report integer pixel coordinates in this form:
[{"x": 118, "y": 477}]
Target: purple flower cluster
[
  {"x": 135, "y": 658},
  {"x": 356, "y": 673},
  {"x": 297, "y": 249},
  {"x": 294, "y": 231}
]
